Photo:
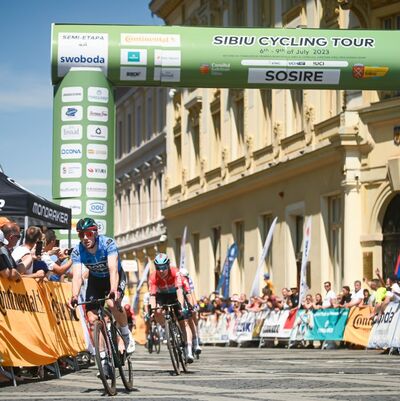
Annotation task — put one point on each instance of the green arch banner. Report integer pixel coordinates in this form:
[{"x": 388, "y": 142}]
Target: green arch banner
[{"x": 230, "y": 57}]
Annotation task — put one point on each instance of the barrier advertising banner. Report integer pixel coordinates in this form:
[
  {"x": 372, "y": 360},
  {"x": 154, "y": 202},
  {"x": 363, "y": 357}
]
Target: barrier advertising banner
[
  {"x": 219, "y": 57},
  {"x": 83, "y": 148},
  {"x": 36, "y": 326},
  {"x": 384, "y": 333},
  {"x": 274, "y": 325},
  {"x": 328, "y": 325},
  {"x": 358, "y": 326}
]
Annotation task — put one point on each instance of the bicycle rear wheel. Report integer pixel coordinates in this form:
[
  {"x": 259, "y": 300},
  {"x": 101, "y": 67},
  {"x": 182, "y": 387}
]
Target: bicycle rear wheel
[
  {"x": 123, "y": 361},
  {"x": 104, "y": 358},
  {"x": 172, "y": 346}
]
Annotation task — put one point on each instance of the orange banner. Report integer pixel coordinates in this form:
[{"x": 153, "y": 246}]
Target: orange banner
[
  {"x": 36, "y": 326},
  {"x": 358, "y": 326}
]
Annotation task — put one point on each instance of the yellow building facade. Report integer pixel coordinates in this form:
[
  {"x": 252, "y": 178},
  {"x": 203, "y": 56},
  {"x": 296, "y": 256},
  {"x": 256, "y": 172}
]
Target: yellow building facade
[{"x": 235, "y": 159}]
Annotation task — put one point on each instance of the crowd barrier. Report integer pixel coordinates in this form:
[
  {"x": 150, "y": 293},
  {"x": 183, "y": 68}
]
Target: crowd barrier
[
  {"x": 36, "y": 326},
  {"x": 337, "y": 324}
]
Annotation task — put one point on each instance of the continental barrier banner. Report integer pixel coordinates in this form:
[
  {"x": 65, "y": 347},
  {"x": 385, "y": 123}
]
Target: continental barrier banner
[
  {"x": 36, "y": 326},
  {"x": 230, "y": 57},
  {"x": 358, "y": 326}
]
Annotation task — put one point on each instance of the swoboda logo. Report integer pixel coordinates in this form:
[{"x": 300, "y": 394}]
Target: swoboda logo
[
  {"x": 71, "y": 170},
  {"x": 71, "y": 151},
  {"x": 96, "y": 170},
  {"x": 81, "y": 59},
  {"x": 96, "y": 207},
  {"x": 71, "y": 132}
]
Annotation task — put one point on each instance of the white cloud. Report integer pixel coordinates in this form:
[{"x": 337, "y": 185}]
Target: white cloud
[{"x": 21, "y": 89}]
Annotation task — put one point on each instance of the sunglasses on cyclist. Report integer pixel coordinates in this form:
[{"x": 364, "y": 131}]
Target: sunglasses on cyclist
[
  {"x": 88, "y": 234},
  {"x": 162, "y": 268}
]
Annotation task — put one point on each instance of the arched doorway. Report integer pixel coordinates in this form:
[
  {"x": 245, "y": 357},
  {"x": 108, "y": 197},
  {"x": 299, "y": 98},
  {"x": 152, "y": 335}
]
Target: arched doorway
[{"x": 391, "y": 236}]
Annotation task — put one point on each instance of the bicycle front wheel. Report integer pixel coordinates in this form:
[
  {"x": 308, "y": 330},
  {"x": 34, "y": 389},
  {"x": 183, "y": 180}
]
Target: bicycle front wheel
[
  {"x": 122, "y": 360},
  {"x": 104, "y": 357},
  {"x": 181, "y": 347},
  {"x": 156, "y": 339},
  {"x": 172, "y": 346}
]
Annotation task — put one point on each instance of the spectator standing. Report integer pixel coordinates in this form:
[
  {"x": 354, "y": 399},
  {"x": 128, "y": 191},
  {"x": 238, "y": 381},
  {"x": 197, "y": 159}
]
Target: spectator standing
[
  {"x": 330, "y": 296},
  {"x": 346, "y": 296},
  {"x": 7, "y": 267},
  {"x": 357, "y": 297},
  {"x": 268, "y": 288}
]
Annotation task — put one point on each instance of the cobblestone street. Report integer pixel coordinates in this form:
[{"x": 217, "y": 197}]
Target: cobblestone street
[{"x": 223, "y": 374}]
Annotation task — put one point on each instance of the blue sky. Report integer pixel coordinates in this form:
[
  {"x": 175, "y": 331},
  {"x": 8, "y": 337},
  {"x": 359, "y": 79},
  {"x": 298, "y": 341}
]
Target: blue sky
[{"x": 26, "y": 95}]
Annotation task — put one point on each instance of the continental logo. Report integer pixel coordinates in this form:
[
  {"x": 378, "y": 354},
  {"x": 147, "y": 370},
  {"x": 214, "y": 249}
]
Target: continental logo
[
  {"x": 24, "y": 302},
  {"x": 362, "y": 322}
]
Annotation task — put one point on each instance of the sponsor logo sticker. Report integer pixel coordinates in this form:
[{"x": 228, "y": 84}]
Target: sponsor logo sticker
[
  {"x": 96, "y": 170},
  {"x": 102, "y": 225},
  {"x": 96, "y": 189},
  {"x": 97, "y": 132},
  {"x": 94, "y": 151},
  {"x": 71, "y": 151},
  {"x": 74, "y": 204},
  {"x": 71, "y": 113},
  {"x": 167, "y": 58},
  {"x": 72, "y": 94},
  {"x": 133, "y": 56},
  {"x": 97, "y": 94},
  {"x": 97, "y": 113},
  {"x": 133, "y": 73},
  {"x": 71, "y": 170},
  {"x": 71, "y": 132},
  {"x": 76, "y": 49},
  {"x": 71, "y": 189},
  {"x": 151, "y": 39},
  {"x": 96, "y": 207},
  {"x": 167, "y": 74}
]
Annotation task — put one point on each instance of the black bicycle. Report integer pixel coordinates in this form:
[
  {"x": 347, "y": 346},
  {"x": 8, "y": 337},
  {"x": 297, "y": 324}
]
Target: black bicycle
[
  {"x": 154, "y": 339},
  {"x": 110, "y": 349},
  {"x": 175, "y": 338}
]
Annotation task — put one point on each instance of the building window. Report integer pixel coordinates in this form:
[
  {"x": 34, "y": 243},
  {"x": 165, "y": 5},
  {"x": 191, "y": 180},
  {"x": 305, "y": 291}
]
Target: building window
[
  {"x": 129, "y": 132},
  {"x": 296, "y": 96},
  {"x": 161, "y": 105},
  {"x": 239, "y": 12},
  {"x": 335, "y": 238},
  {"x": 266, "y": 104},
  {"x": 138, "y": 125},
  {"x": 148, "y": 200},
  {"x": 138, "y": 205},
  {"x": 238, "y": 122},
  {"x": 196, "y": 251},
  {"x": 216, "y": 245},
  {"x": 178, "y": 154},
  {"x": 160, "y": 194},
  {"x": 149, "y": 117},
  {"x": 119, "y": 141},
  {"x": 178, "y": 242},
  {"x": 239, "y": 239}
]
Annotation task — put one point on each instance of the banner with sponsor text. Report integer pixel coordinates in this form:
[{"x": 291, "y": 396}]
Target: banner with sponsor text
[
  {"x": 224, "y": 57},
  {"x": 83, "y": 148},
  {"x": 36, "y": 326}
]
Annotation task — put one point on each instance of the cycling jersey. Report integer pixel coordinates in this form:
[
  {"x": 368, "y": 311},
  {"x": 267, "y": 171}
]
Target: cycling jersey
[
  {"x": 97, "y": 263},
  {"x": 168, "y": 284}
]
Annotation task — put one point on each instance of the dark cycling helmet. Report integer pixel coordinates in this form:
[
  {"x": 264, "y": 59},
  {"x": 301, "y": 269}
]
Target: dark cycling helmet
[
  {"x": 161, "y": 261},
  {"x": 86, "y": 224}
]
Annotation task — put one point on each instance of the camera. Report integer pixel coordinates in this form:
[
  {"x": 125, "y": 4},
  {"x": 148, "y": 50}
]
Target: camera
[{"x": 68, "y": 251}]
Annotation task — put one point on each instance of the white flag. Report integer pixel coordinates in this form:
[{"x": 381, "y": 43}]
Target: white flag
[
  {"x": 255, "y": 289},
  {"x": 142, "y": 280},
  {"x": 306, "y": 251},
  {"x": 183, "y": 247}
]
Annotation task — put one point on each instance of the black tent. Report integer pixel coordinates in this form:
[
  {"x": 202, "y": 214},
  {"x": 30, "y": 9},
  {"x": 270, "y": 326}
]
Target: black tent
[{"x": 26, "y": 208}]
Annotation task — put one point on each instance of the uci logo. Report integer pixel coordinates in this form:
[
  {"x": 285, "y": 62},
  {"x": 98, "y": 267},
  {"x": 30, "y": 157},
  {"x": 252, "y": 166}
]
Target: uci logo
[{"x": 2, "y": 203}]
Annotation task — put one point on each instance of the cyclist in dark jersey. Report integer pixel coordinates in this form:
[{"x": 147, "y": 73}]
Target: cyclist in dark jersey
[{"x": 106, "y": 278}]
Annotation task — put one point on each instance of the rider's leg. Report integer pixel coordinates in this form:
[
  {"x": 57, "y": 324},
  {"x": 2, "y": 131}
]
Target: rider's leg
[{"x": 187, "y": 333}]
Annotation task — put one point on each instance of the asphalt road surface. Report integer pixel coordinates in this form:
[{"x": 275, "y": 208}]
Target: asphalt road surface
[{"x": 224, "y": 374}]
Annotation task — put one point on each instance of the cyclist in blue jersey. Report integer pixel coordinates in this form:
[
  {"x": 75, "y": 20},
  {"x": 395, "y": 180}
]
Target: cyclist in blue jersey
[{"x": 106, "y": 278}]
